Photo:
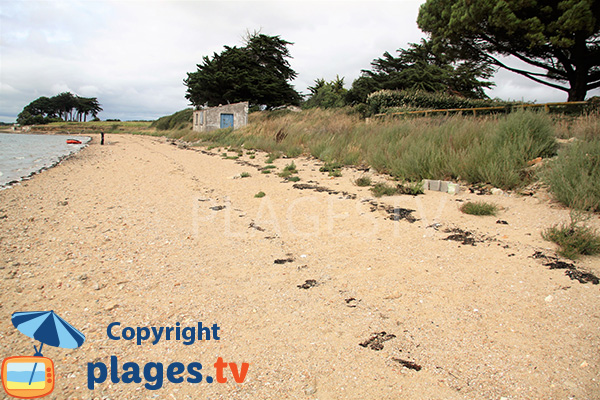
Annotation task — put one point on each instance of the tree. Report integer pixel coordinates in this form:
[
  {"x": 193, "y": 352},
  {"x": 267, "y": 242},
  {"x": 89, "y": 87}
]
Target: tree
[
  {"x": 421, "y": 67},
  {"x": 327, "y": 94},
  {"x": 560, "y": 37},
  {"x": 258, "y": 73},
  {"x": 60, "y": 107}
]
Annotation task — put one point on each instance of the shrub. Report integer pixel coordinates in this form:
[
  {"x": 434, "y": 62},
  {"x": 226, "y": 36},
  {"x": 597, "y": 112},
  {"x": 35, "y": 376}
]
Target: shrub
[
  {"x": 479, "y": 208},
  {"x": 574, "y": 177},
  {"x": 260, "y": 194},
  {"x": 383, "y": 189},
  {"x": 412, "y": 188},
  {"x": 573, "y": 239},
  {"x": 245, "y": 175},
  {"x": 180, "y": 120},
  {"x": 363, "y": 181}
]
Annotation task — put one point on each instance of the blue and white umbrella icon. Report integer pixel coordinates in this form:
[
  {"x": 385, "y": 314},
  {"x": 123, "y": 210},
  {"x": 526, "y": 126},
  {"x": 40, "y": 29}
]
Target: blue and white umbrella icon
[{"x": 48, "y": 328}]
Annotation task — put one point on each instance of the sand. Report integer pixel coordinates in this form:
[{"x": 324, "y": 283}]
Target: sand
[{"x": 151, "y": 234}]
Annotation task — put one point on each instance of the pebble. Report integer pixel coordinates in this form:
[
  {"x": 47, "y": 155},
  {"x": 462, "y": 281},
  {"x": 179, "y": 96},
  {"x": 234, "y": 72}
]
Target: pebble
[
  {"x": 310, "y": 390},
  {"x": 549, "y": 298}
]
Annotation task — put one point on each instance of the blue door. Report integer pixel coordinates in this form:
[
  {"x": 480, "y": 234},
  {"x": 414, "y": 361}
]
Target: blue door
[{"x": 226, "y": 121}]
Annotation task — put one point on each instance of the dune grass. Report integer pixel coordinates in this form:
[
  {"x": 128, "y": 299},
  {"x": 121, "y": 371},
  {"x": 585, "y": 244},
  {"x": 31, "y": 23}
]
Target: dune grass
[
  {"x": 479, "y": 208},
  {"x": 574, "y": 238}
]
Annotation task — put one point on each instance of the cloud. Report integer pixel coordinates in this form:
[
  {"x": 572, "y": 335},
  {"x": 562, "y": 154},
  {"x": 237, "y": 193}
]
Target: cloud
[{"x": 133, "y": 55}]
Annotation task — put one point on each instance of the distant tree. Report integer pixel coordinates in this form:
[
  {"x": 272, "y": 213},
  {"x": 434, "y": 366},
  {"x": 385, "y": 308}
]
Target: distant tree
[
  {"x": 258, "y": 73},
  {"x": 60, "y": 107},
  {"x": 327, "y": 94},
  {"x": 560, "y": 37},
  {"x": 419, "y": 67}
]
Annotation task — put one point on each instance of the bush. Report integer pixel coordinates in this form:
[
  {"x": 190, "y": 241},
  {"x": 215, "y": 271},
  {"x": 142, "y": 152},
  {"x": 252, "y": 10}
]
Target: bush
[
  {"x": 180, "y": 120},
  {"x": 479, "y": 208},
  {"x": 363, "y": 181},
  {"x": 383, "y": 189},
  {"x": 574, "y": 177},
  {"x": 573, "y": 239},
  {"x": 260, "y": 194},
  {"x": 395, "y": 100}
]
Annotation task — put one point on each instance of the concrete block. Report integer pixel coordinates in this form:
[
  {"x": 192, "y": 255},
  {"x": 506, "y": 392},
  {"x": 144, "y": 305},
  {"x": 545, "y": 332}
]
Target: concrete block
[
  {"x": 453, "y": 188},
  {"x": 434, "y": 185},
  {"x": 444, "y": 186},
  {"x": 425, "y": 184}
]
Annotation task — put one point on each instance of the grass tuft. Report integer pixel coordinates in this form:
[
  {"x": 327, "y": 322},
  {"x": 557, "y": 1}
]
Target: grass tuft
[
  {"x": 363, "y": 181},
  {"x": 260, "y": 194},
  {"x": 383, "y": 189},
  {"x": 479, "y": 208},
  {"x": 573, "y": 239}
]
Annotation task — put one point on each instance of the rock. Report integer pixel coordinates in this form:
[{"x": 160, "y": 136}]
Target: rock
[
  {"x": 310, "y": 390},
  {"x": 549, "y": 299},
  {"x": 497, "y": 191}
]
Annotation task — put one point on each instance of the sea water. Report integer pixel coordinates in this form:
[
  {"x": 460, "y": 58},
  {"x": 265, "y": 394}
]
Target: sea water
[{"x": 22, "y": 155}]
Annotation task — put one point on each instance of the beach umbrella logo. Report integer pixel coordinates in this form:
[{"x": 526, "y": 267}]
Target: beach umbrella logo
[{"x": 33, "y": 377}]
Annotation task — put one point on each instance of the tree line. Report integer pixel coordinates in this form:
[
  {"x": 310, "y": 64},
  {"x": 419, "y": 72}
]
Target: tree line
[
  {"x": 62, "y": 107},
  {"x": 558, "y": 39}
]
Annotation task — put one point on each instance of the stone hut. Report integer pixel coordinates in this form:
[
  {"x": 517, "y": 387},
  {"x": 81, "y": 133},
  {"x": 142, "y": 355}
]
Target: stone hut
[{"x": 227, "y": 116}]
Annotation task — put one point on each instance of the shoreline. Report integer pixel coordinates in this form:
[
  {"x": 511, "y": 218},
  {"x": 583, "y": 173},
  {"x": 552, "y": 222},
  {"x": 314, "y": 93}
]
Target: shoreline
[
  {"x": 145, "y": 233},
  {"x": 53, "y": 163}
]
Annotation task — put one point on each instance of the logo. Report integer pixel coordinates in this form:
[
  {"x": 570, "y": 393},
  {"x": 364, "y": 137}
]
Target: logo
[{"x": 32, "y": 377}]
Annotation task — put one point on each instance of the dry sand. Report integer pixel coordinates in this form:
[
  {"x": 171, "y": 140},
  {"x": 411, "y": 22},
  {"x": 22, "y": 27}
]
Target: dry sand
[{"x": 135, "y": 232}]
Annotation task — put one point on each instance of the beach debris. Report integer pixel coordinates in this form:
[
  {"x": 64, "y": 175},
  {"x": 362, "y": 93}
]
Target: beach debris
[
  {"x": 283, "y": 260},
  {"x": 398, "y": 213},
  {"x": 62, "y": 203},
  {"x": 375, "y": 342},
  {"x": 459, "y": 235},
  {"x": 351, "y": 302},
  {"x": 408, "y": 364},
  {"x": 570, "y": 269},
  {"x": 502, "y": 222},
  {"x": 317, "y": 188},
  {"x": 308, "y": 284},
  {"x": 217, "y": 208},
  {"x": 254, "y": 226}
]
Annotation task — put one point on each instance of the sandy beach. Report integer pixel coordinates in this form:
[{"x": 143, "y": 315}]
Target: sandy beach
[{"x": 314, "y": 286}]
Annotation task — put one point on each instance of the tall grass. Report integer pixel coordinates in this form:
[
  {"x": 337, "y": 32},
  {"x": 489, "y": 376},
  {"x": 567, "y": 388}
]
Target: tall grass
[
  {"x": 574, "y": 177},
  {"x": 493, "y": 149}
]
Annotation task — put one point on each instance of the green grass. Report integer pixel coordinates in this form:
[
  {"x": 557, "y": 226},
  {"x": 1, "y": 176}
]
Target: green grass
[
  {"x": 412, "y": 188},
  {"x": 260, "y": 194},
  {"x": 245, "y": 175},
  {"x": 383, "y": 189},
  {"x": 479, "y": 208},
  {"x": 493, "y": 149},
  {"x": 574, "y": 177},
  {"x": 363, "y": 181},
  {"x": 573, "y": 239},
  {"x": 291, "y": 168},
  {"x": 293, "y": 178}
]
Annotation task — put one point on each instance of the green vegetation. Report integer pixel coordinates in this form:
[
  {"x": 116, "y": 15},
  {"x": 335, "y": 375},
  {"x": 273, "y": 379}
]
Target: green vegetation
[
  {"x": 62, "y": 107},
  {"x": 383, "y": 189},
  {"x": 412, "y": 188},
  {"x": 363, "y": 181},
  {"x": 574, "y": 239},
  {"x": 334, "y": 169},
  {"x": 479, "y": 208},
  {"x": 288, "y": 171},
  {"x": 260, "y": 194},
  {"x": 245, "y": 175},
  {"x": 258, "y": 72},
  {"x": 574, "y": 177},
  {"x": 560, "y": 37},
  {"x": 180, "y": 120}
]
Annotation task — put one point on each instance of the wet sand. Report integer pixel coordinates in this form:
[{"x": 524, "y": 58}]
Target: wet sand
[{"x": 319, "y": 291}]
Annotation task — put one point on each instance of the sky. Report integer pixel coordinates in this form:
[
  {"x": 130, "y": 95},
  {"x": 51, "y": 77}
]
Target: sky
[{"x": 133, "y": 55}]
